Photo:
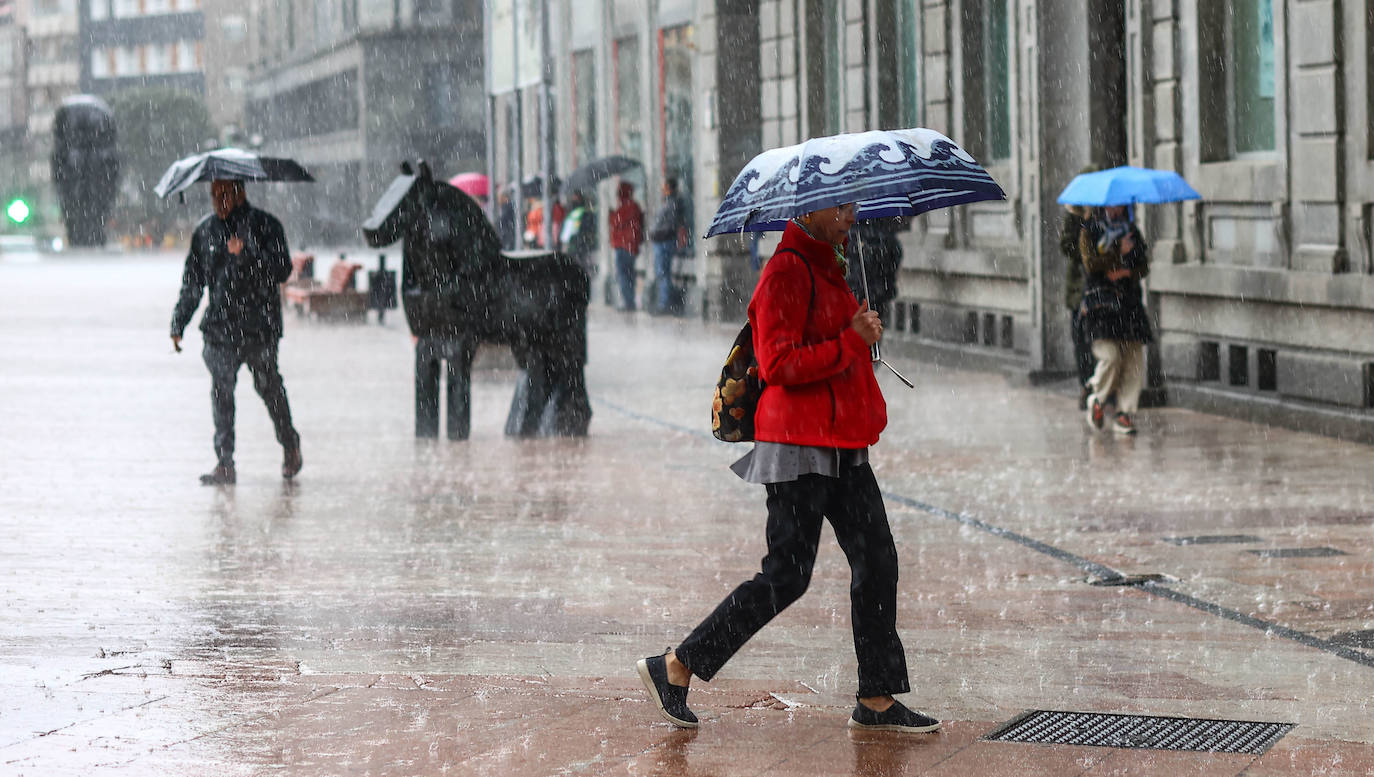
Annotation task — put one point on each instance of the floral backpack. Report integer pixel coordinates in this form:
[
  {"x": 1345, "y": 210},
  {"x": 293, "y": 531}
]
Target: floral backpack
[{"x": 739, "y": 387}]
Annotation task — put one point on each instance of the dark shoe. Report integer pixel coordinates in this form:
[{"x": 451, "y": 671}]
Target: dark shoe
[
  {"x": 291, "y": 462},
  {"x": 219, "y": 476},
  {"x": 671, "y": 699},
  {"x": 1123, "y": 423},
  {"x": 894, "y": 718},
  {"x": 1097, "y": 414}
]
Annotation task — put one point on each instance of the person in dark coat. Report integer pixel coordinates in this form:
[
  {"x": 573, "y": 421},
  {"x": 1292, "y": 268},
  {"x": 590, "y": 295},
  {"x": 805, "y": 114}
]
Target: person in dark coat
[
  {"x": 1115, "y": 259},
  {"x": 875, "y": 243},
  {"x": 1070, "y": 225},
  {"x": 240, "y": 254},
  {"x": 506, "y": 220},
  {"x": 579, "y": 237},
  {"x": 669, "y": 235},
  {"x": 818, "y": 415},
  {"x": 627, "y": 237}
]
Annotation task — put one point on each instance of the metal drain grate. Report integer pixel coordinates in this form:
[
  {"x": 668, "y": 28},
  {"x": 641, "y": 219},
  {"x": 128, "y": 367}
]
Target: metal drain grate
[
  {"x": 1214, "y": 539},
  {"x": 1141, "y": 731},
  {"x": 1297, "y": 552}
]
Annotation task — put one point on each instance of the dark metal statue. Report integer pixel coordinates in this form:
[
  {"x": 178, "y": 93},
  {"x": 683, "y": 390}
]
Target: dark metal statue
[
  {"x": 458, "y": 290},
  {"x": 85, "y": 167}
]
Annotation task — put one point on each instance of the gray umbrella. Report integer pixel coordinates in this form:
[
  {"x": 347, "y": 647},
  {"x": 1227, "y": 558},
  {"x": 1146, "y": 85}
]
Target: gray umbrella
[
  {"x": 597, "y": 170},
  {"x": 228, "y": 164}
]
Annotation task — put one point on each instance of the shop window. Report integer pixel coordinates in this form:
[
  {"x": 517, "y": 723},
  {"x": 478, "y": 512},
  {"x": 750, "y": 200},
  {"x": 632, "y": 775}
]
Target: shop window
[
  {"x": 1008, "y": 333},
  {"x": 629, "y": 132},
  {"x": 675, "y": 110},
  {"x": 971, "y": 328},
  {"x": 584, "y": 106}
]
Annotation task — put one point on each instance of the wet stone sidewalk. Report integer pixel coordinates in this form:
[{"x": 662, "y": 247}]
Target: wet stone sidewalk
[{"x": 413, "y": 607}]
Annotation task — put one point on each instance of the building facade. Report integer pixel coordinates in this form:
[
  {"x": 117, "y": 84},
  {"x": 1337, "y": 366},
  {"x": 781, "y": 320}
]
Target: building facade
[
  {"x": 351, "y": 88},
  {"x": 142, "y": 43},
  {"x": 1262, "y": 292}
]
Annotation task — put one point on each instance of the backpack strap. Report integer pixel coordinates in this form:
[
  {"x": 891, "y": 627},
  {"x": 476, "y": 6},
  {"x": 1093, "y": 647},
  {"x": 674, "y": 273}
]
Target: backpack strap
[{"x": 809, "y": 272}]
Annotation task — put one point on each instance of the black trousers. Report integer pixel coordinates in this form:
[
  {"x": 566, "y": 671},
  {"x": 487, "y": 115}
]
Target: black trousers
[
  {"x": 1082, "y": 347},
  {"x": 457, "y": 354},
  {"x": 854, "y": 506},
  {"x": 223, "y": 361}
]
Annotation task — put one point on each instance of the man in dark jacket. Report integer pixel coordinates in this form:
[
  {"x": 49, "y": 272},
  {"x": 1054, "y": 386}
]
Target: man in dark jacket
[
  {"x": 240, "y": 253},
  {"x": 1070, "y": 225},
  {"x": 874, "y": 251},
  {"x": 668, "y": 234}
]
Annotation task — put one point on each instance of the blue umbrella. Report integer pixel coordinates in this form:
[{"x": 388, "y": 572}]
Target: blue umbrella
[
  {"x": 1127, "y": 186},
  {"x": 886, "y": 172}
]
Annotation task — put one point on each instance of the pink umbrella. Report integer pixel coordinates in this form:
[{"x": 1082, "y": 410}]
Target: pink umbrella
[{"x": 471, "y": 184}]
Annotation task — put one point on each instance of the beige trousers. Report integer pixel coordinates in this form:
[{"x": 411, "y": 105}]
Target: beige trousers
[{"x": 1120, "y": 371}]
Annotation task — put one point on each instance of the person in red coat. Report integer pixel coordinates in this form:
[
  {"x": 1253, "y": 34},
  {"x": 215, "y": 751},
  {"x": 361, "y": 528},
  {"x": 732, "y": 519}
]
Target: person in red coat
[
  {"x": 815, "y": 420},
  {"x": 627, "y": 236}
]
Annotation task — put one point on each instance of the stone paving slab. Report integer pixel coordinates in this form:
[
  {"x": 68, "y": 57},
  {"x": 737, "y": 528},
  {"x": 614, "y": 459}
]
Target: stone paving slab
[{"x": 425, "y": 607}]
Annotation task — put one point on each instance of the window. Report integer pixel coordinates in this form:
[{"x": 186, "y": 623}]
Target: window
[
  {"x": 908, "y": 59},
  {"x": 159, "y": 58},
  {"x": 102, "y": 63},
  {"x": 1250, "y": 43},
  {"x": 234, "y": 29},
  {"x": 996, "y": 80},
  {"x": 100, "y": 10},
  {"x": 675, "y": 110},
  {"x": 1236, "y": 75},
  {"x": 584, "y": 106},
  {"x": 629, "y": 135},
  {"x": 126, "y": 61}
]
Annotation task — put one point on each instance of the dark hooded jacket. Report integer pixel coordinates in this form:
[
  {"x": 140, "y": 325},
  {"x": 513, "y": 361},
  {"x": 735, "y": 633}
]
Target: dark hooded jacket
[
  {"x": 1115, "y": 310},
  {"x": 245, "y": 295}
]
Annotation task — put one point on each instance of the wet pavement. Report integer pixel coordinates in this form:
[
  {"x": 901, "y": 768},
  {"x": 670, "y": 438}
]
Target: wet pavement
[{"x": 434, "y": 608}]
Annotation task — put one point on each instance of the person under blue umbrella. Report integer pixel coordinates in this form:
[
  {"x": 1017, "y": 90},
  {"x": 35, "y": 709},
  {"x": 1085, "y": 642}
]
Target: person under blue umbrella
[{"x": 1115, "y": 321}]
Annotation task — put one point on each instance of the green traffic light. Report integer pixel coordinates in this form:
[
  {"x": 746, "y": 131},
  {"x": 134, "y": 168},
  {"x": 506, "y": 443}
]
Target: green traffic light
[{"x": 18, "y": 211}]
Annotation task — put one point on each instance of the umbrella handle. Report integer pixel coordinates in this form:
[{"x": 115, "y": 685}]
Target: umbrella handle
[{"x": 878, "y": 359}]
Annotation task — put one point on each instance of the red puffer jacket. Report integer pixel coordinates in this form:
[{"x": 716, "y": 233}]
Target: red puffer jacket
[{"x": 820, "y": 384}]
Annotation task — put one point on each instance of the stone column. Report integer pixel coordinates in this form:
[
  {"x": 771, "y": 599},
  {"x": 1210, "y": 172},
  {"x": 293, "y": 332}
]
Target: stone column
[
  {"x": 1073, "y": 98},
  {"x": 1316, "y": 172},
  {"x": 731, "y": 135}
]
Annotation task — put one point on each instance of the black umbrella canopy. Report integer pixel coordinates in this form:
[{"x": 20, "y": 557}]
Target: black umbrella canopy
[
  {"x": 598, "y": 170},
  {"x": 534, "y": 186},
  {"x": 228, "y": 164}
]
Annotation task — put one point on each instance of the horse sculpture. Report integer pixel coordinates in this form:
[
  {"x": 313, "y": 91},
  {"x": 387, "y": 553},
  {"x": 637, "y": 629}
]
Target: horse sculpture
[{"x": 458, "y": 290}]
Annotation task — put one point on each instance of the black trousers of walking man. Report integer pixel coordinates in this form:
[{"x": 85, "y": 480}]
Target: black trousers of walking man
[
  {"x": 854, "y": 506},
  {"x": 223, "y": 361}
]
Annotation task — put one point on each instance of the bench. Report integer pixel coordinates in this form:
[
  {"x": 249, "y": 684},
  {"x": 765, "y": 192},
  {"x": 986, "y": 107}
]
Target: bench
[{"x": 337, "y": 297}]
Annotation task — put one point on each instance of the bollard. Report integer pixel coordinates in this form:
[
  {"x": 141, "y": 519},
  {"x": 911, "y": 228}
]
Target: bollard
[{"x": 381, "y": 289}]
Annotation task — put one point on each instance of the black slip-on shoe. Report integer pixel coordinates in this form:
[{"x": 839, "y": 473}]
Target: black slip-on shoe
[
  {"x": 894, "y": 718},
  {"x": 671, "y": 699}
]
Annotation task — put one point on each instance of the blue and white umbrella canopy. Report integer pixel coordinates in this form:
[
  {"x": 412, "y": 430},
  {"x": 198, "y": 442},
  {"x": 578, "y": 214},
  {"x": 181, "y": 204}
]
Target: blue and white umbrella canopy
[
  {"x": 1127, "y": 186},
  {"x": 232, "y": 164},
  {"x": 885, "y": 172}
]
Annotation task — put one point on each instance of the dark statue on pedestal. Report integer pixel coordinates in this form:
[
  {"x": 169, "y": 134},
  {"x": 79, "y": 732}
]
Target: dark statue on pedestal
[
  {"x": 458, "y": 290},
  {"x": 85, "y": 167}
]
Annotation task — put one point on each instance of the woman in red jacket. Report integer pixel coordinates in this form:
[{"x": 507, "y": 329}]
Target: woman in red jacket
[{"x": 821, "y": 410}]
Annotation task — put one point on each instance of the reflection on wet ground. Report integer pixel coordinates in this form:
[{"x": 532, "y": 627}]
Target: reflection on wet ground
[{"x": 425, "y": 607}]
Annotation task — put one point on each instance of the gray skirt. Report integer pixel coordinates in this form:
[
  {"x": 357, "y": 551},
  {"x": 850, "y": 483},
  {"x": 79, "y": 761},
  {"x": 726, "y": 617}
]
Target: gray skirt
[{"x": 776, "y": 462}]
